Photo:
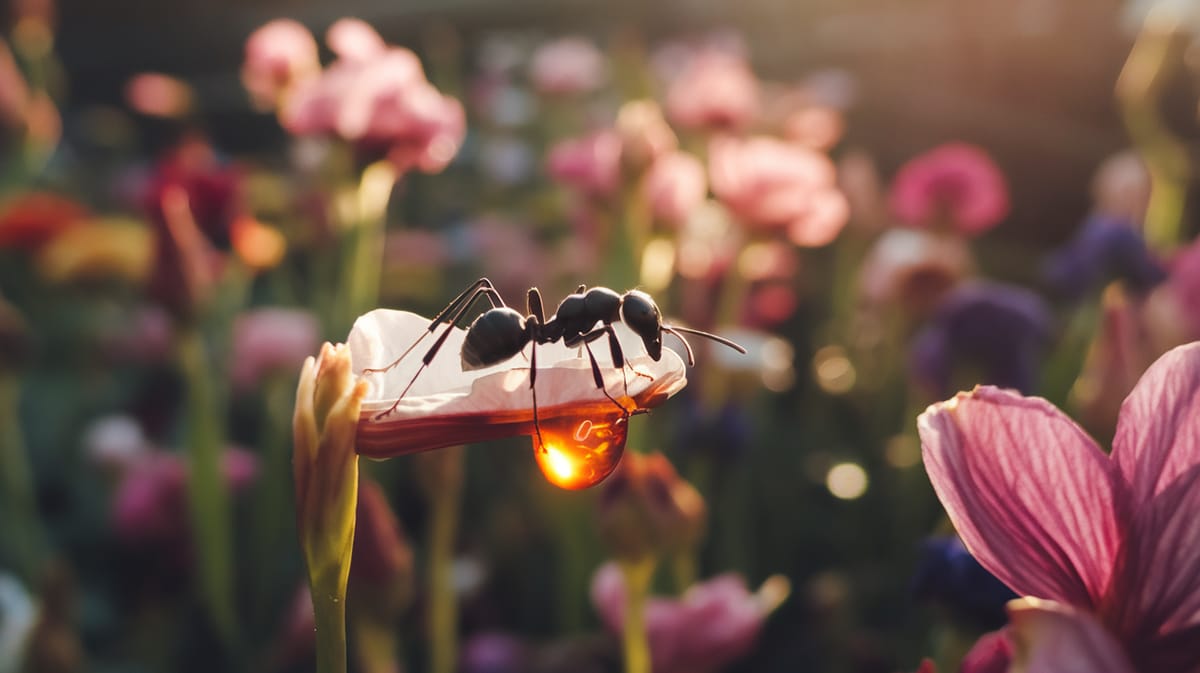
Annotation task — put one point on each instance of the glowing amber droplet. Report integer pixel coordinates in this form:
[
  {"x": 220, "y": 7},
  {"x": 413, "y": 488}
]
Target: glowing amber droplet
[{"x": 578, "y": 453}]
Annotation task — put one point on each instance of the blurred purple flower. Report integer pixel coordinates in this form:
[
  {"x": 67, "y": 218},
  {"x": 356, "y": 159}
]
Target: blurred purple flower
[
  {"x": 955, "y": 185},
  {"x": 570, "y": 65},
  {"x": 716, "y": 91},
  {"x": 269, "y": 340},
  {"x": 278, "y": 55},
  {"x": 998, "y": 330},
  {"x": 712, "y": 624},
  {"x": 590, "y": 164},
  {"x": 1107, "y": 248},
  {"x": 494, "y": 652},
  {"x": 948, "y": 575}
]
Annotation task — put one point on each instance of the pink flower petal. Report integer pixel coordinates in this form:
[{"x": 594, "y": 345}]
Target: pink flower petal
[
  {"x": 1054, "y": 638},
  {"x": 447, "y": 405},
  {"x": 1030, "y": 493},
  {"x": 992, "y": 653},
  {"x": 1158, "y": 590},
  {"x": 1158, "y": 434}
]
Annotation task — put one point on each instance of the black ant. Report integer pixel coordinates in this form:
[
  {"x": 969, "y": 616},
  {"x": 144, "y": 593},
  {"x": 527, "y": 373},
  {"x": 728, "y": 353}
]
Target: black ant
[{"x": 582, "y": 317}]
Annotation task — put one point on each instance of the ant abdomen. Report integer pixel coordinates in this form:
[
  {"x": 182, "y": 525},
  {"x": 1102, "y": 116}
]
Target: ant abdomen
[{"x": 495, "y": 336}]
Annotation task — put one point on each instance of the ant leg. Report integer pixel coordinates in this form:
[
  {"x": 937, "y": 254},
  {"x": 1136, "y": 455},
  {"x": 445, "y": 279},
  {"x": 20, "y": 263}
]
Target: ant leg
[
  {"x": 488, "y": 292},
  {"x": 537, "y": 427},
  {"x": 456, "y": 307},
  {"x": 598, "y": 377}
]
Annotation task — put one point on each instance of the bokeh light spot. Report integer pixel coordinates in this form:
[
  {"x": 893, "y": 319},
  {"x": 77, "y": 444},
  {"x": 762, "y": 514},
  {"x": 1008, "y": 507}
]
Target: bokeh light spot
[{"x": 847, "y": 481}]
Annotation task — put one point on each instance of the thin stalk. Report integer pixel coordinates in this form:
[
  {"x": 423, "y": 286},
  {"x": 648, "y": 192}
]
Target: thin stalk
[
  {"x": 23, "y": 527},
  {"x": 443, "y": 604},
  {"x": 365, "y": 262},
  {"x": 636, "y": 643},
  {"x": 329, "y": 612},
  {"x": 272, "y": 521},
  {"x": 1156, "y": 55},
  {"x": 207, "y": 494}
]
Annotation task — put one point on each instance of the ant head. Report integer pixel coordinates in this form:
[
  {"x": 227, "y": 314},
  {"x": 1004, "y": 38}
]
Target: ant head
[{"x": 641, "y": 314}]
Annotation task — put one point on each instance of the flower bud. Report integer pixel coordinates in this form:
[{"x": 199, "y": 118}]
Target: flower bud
[
  {"x": 646, "y": 509},
  {"x": 325, "y": 466}
]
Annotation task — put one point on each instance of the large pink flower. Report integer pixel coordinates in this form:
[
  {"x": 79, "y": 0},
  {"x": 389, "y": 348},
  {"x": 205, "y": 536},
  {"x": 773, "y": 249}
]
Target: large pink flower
[
  {"x": 955, "y": 184},
  {"x": 278, "y": 55},
  {"x": 380, "y": 101},
  {"x": 771, "y": 184},
  {"x": 1106, "y": 546}
]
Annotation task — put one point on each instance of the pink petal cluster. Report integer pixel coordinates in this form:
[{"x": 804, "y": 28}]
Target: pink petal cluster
[
  {"x": 770, "y": 184},
  {"x": 278, "y": 54},
  {"x": 715, "y": 91},
  {"x": 377, "y": 97},
  {"x": 150, "y": 504},
  {"x": 1106, "y": 544},
  {"x": 570, "y": 65},
  {"x": 712, "y": 624},
  {"x": 271, "y": 339},
  {"x": 590, "y": 164},
  {"x": 675, "y": 186},
  {"x": 956, "y": 185}
]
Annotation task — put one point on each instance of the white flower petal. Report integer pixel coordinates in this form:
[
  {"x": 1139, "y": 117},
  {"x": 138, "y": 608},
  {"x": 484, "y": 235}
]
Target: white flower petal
[{"x": 564, "y": 374}]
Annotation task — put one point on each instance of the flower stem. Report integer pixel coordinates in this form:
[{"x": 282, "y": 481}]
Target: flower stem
[
  {"x": 365, "y": 263},
  {"x": 208, "y": 499},
  {"x": 329, "y": 612},
  {"x": 20, "y": 516},
  {"x": 638, "y": 575},
  {"x": 443, "y": 605}
]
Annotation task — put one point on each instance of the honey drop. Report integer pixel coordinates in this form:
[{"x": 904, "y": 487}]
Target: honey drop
[{"x": 578, "y": 453}]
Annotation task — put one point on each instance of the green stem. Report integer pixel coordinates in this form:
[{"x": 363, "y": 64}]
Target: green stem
[
  {"x": 24, "y": 529},
  {"x": 329, "y": 612},
  {"x": 1156, "y": 55},
  {"x": 683, "y": 565},
  {"x": 365, "y": 263},
  {"x": 443, "y": 605},
  {"x": 208, "y": 497},
  {"x": 272, "y": 522},
  {"x": 638, "y": 575}
]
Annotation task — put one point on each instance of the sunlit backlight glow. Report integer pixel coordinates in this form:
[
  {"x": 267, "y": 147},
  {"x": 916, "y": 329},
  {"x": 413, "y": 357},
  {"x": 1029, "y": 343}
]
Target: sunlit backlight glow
[
  {"x": 578, "y": 453},
  {"x": 847, "y": 481},
  {"x": 834, "y": 371}
]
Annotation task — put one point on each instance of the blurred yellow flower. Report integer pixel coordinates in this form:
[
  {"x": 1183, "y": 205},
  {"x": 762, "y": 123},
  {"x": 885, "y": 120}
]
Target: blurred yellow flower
[
  {"x": 115, "y": 248},
  {"x": 259, "y": 246}
]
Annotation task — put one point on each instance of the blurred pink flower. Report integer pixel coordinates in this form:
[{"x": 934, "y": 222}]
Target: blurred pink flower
[
  {"x": 278, "y": 55},
  {"x": 770, "y": 184},
  {"x": 955, "y": 185},
  {"x": 1103, "y": 544},
  {"x": 712, "y": 624},
  {"x": 1183, "y": 284},
  {"x": 913, "y": 269},
  {"x": 570, "y": 65},
  {"x": 271, "y": 340},
  {"x": 1121, "y": 186},
  {"x": 354, "y": 40},
  {"x": 590, "y": 164},
  {"x": 675, "y": 186},
  {"x": 150, "y": 505},
  {"x": 716, "y": 91},
  {"x": 384, "y": 106},
  {"x": 992, "y": 653},
  {"x": 14, "y": 91},
  {"x": 155, "y": 94}
]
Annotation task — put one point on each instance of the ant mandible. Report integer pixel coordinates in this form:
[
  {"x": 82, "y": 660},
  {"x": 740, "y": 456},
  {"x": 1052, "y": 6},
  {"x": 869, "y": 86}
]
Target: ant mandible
[{"x": 582, "y": 317}]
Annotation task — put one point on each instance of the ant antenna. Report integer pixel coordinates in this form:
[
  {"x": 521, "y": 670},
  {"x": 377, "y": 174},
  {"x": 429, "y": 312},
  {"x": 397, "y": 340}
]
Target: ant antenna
[{"x": 676, "y": 332}]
